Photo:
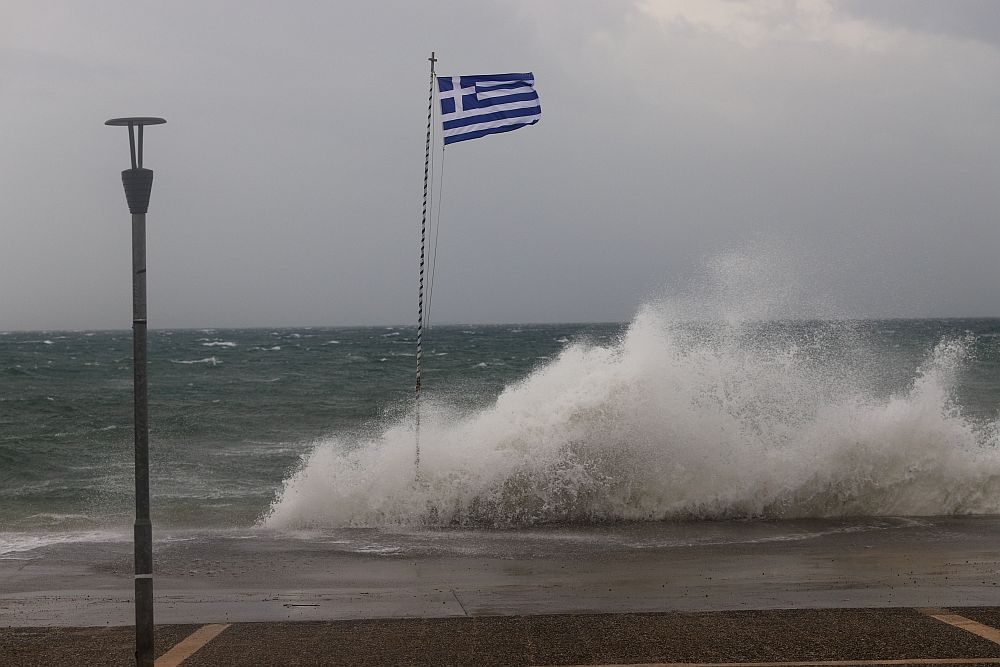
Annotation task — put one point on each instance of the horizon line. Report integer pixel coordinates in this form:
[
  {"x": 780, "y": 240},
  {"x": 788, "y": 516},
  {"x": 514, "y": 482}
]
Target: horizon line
[{"x": 512, "y": 324}]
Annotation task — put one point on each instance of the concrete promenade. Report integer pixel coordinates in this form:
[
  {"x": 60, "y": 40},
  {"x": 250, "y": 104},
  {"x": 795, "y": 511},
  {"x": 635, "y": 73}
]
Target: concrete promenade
[{"x": 364, "y": 574}]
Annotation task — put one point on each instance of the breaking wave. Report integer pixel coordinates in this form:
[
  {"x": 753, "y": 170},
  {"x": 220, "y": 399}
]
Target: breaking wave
[
  {"x": 711, "y": 405},
  {"x": 673, "y": 421}
]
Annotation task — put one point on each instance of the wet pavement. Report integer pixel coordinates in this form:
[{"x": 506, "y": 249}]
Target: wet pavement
[{"x": 258, "y": 576}]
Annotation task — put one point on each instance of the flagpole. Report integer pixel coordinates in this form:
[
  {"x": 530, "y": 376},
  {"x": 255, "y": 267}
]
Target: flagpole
[{"x": 423, "y": 249}]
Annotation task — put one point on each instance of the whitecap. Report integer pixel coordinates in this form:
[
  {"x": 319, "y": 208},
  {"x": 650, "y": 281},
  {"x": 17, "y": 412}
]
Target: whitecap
[
  {"x": 12, "y": 543},
  {"x": 212, "y": 361}
]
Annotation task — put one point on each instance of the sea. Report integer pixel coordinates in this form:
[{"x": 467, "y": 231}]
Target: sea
[{"x": 521, "y": 426}]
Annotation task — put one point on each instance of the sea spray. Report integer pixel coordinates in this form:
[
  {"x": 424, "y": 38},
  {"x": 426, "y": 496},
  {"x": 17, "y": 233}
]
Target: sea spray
[{"x": 676, "y": 420}]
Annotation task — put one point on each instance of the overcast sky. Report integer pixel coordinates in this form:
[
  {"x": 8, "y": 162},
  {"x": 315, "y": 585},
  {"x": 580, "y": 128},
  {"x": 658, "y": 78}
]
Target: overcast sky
[{"x": 852, "y": 147}]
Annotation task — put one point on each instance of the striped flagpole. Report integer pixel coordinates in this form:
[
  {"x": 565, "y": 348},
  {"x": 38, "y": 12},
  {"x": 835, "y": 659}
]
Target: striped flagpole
[{"x": 423, "y": 249}]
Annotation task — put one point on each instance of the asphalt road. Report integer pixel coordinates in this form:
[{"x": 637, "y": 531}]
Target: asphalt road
[{"x": 788, "y": 636}]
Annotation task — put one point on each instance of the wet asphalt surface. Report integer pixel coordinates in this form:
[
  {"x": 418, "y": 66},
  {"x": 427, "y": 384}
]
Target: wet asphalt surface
[{"x": 574, "y": 639}]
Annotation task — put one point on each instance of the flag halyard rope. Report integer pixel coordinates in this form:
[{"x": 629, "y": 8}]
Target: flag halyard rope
[
  {"x": 420, "y": 288},
  {"x": 436, "y": 231}
]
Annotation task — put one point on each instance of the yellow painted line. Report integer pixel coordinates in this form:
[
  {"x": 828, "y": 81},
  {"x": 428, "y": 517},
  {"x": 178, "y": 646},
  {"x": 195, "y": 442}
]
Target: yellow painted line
[
  {"x": 188, "y": 646},
  {"x": 986, "y": 632},
  {"x": 815, "y": 663}
]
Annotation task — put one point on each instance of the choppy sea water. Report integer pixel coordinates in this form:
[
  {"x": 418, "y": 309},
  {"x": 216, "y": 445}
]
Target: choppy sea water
[
  {"x": 522, "y": 425},
  {"x": 233, "y": 412}
]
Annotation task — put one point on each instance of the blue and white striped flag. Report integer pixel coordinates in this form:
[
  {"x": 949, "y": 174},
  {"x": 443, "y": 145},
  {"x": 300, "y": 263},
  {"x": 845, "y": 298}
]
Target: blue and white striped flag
[{"x": 474, "y": 106}]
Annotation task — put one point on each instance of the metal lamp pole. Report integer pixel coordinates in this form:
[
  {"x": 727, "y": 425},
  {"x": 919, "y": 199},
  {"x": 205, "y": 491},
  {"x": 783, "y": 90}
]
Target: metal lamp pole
[{"x": 138, "y": 184}]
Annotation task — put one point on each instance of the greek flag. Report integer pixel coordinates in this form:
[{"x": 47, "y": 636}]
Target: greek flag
[{"x": 474, "y": 106}]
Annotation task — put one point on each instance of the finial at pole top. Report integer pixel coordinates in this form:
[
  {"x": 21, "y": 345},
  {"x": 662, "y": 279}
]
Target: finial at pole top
[{"x": 433, "y": 60}]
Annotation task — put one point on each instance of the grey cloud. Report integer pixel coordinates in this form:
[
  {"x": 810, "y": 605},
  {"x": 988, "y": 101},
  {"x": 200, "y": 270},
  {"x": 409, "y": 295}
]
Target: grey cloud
[
  {"x": 968, "y": 19},
  {"x": 288, "y": 177}
]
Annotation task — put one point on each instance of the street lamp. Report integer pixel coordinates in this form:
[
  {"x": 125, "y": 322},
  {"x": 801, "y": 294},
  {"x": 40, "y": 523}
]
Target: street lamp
[{"x": 138, "y": 184}]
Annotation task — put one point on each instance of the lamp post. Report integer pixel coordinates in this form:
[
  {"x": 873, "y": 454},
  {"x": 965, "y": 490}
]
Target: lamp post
[{"x": 138, "y": 184}]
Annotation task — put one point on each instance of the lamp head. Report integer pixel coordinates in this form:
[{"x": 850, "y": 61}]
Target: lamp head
[{"x": 138, "y": 182}]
